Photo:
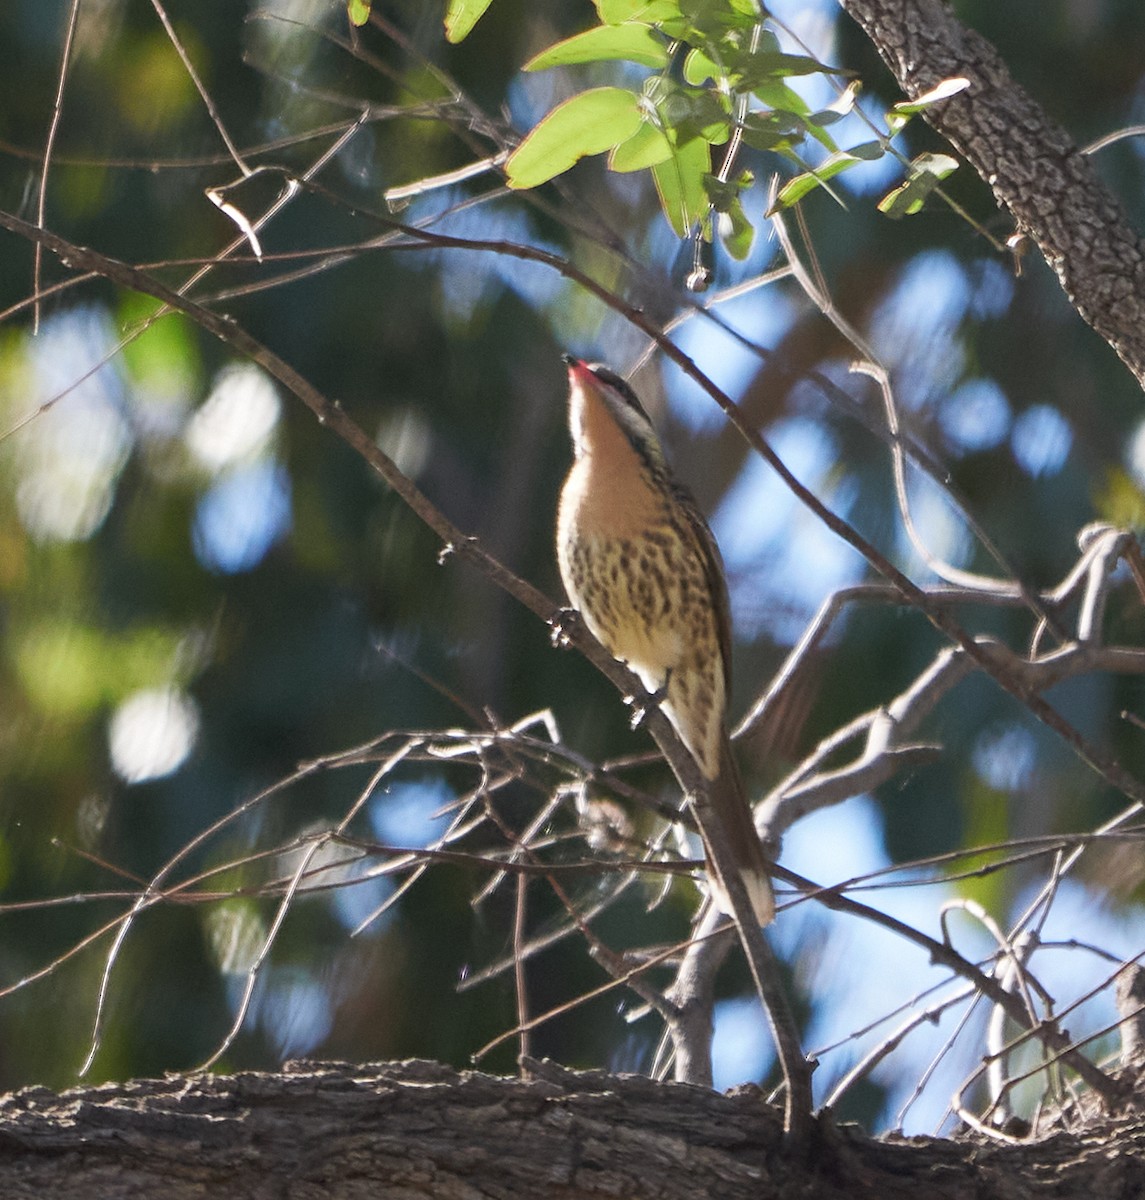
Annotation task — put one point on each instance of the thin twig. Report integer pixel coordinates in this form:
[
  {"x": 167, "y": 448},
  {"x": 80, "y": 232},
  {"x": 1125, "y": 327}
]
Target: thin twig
[{"x": 49, "y": 143}]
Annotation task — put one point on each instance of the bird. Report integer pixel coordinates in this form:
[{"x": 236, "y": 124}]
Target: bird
[{"x": 643, "y": 570}]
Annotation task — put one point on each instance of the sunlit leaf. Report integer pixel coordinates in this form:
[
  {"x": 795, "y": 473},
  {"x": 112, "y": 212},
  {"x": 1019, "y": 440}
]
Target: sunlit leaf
[
  {"x": 845, "y": 103},
  {"x": 939, "y": 165},
  {"x": 590, "y": 123},
  {"x": 650, "y": 12},
  {"x": 836, "y": 111},
  {"x": 359, "y": 11},
  {"x": 927, "y": 172},
  {"x": 236, "y": 932},
  {"x": 900, "y": 114},
  {"x": 940, "y": 91},
  {"x": 699, "y": 68},
  {"x": 631, "y": 43},
  {"x": 776, "y": 94},
  {"x": 647, "y": 147},
  {"x": 461, "y": 16},
  {"x": 736, "y": 232},
  {"x": 795, "y": 189},
  {"x": 680, "y": 184},
  {"x": 708, "y": 20},
  {"x": 908, "y": 198},
  {"x": 897, "y": 122}
]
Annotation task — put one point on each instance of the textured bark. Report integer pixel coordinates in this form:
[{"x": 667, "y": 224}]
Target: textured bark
[
  {"x": 409, "y": 1130},
  {"x": 1035, "y": 170}
]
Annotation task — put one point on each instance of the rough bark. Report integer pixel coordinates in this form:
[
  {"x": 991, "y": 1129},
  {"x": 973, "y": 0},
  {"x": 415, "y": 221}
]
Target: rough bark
[
  {"x": 408, "y": 1130},
  {"x": 1035, "y": 170}
]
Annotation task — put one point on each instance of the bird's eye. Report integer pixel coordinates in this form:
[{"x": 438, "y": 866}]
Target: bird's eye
[{"x": 612, "y": 380}]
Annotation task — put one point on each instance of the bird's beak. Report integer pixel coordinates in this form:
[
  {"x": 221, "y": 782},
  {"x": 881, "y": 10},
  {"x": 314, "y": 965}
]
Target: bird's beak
[{"x": 578, "y": 368}]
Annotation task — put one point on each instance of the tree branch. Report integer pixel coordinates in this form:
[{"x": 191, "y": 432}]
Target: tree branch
[
  {"x": 415, "y": 1129},
  {"x": 1031, "y": 163}
]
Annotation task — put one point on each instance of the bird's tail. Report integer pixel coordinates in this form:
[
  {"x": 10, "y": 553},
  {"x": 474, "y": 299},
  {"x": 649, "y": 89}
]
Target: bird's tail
[{"x": 729, "y": 804}]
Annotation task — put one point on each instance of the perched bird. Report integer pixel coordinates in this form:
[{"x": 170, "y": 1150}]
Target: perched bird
[{"x": 641, "y": 567}]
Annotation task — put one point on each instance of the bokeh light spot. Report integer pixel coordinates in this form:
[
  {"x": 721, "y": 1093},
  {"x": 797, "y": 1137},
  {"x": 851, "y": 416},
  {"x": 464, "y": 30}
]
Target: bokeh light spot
[
  {"x": 241, "y": 516},
  {"x": 151, "y": 733},
  {"x": 236, "y": 420},
  {"x": 976, "y": 416}
]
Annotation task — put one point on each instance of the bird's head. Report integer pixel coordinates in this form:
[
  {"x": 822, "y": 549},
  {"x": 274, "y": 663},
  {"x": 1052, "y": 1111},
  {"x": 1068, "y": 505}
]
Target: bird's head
[{"x": 596, "y": 391}]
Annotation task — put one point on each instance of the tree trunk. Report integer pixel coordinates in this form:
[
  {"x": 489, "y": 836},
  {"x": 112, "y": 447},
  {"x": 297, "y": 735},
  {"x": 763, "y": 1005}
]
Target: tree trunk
[
  {"x": 1034, "y": 168},
  {"x": 408, "y": 1130}
]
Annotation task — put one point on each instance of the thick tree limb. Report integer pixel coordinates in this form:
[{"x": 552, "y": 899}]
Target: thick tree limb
[
  {"x": 411, "y": 1130},
  {"x": 1031, "y": 163}
]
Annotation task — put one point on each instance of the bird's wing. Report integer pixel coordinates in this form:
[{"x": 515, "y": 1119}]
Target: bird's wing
[{"x": 713, "y": 574}]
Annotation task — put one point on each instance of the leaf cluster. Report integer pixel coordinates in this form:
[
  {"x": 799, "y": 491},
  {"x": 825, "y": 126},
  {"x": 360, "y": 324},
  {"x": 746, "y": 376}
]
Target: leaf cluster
[{"x": 717, "y": 81}]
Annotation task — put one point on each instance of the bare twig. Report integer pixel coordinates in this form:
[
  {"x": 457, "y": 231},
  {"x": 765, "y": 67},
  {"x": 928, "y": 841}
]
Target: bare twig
[{"x": 49, "y": 143}]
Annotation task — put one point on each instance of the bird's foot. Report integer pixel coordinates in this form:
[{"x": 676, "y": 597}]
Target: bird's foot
[
  {"x": 645, "y": 703},
  {"x": 559, "y": 626}
]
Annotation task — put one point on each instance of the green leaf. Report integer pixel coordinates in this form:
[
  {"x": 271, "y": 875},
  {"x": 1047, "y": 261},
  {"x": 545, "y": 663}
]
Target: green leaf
[
  {"x": 695, "y": 112},
  {"x": 823, "y": 118},
  {"x": 926, "y": 173},
  {"x": 680, "y": 184},
  {"x": 461, "y": 16},
  {"x": 822, "y": 136},
  {"x": 836, "y": 111},
  {"x": 897, "y": 122},
  {"x": 594, "y": 121},
  {"x": 766, "y": 139},
  {"x": 649, "y": 12},
  {"x": 724, "y": 192},
  {"x": 842, "y": 160},
  {"x": 736, "y": 231},
  {"x": 776, "y": 94},
  {"x": 768, "y": 41},
  {"x": 784, "y": 124},
  {"x": 358, "y": 11},
  {"x": 940, "y": 91},
  {"x": 706, "y": 20},
  {"x": 647, "y": 147},
  {"x": 781, "y": 66},
  {"x": 939, "y": 165},
  {"x": 699, "y": 68},
  {"x": 630, "y": 42},
  {"x": 900, "y": 114}
]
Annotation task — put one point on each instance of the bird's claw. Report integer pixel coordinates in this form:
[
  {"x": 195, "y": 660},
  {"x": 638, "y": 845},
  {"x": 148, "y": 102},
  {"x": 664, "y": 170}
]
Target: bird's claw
[
  {"x": 644, "y": 704},
  {"x": 559, "y": 626}
]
